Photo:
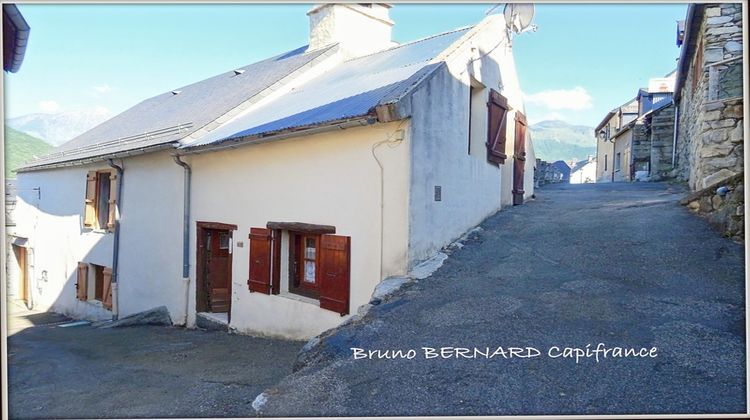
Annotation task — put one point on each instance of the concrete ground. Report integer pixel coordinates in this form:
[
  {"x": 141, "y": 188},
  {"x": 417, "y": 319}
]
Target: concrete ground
[
  {"x": 144, "y": 371},
  {"x": 618, "y": 264}
]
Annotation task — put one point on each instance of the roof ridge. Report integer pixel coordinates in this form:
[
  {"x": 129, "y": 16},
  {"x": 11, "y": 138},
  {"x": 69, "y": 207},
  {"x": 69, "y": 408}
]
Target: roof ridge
[{"x": 395, "y": 47}]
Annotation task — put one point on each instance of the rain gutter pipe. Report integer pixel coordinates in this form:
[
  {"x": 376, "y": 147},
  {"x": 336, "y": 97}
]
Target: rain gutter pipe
[
  {"x": 185, "y": 230},
  {"x": 116, "y": 240}
]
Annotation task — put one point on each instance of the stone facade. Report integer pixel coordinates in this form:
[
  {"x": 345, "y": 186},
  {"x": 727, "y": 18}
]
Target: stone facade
[
  {"x": 723, "y": 204},
  {"x": 662, "y": 140},
  {"x": 710, "y": 142}
]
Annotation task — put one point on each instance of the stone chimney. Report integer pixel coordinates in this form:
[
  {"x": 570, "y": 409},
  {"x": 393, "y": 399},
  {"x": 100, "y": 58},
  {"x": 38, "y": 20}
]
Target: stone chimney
[{"x": 358, "y": 28}]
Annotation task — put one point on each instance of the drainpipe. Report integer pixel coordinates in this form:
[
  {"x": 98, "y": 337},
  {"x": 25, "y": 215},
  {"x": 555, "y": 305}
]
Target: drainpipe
[
  {"x": 676, "y": 128},
  {"x": 116, "y": 246},
  {"x": 185, "y": 231}
]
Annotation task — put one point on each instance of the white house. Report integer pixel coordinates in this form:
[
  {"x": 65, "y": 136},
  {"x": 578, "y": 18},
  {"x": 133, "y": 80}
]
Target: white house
[
  {"x": 584, "y": 172},
  {"x": 278, "y": 195}
]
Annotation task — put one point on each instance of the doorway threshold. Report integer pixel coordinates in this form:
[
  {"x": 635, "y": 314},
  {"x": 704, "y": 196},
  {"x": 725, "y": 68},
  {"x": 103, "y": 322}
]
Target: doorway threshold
[{"x": 213, "y": 320}]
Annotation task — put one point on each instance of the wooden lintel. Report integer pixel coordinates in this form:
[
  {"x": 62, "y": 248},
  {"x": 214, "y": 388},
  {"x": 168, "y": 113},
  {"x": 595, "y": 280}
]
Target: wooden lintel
[{"x": 302, "y": 227}]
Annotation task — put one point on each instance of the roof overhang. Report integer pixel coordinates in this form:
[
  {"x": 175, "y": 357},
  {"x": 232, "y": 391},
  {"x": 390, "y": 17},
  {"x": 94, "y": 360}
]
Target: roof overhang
[
  {"x": 99, "y": 158},
  {"x": 692, "y": 27},
  {"x": 15, "y": 37},
  {"x": 236, "y": 142}
]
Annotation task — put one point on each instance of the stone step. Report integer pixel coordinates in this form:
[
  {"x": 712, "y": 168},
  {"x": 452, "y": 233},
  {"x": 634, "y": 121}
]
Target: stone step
[{"x": 212, "y": 321}]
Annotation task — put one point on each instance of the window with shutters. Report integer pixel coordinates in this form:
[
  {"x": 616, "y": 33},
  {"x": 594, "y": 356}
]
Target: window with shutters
[
  {"x": 313, "y": 266},
  {"x": 94, "y": 283},
  {"x": 497, "y": 113},
  {"x": 101, "y": 200}
]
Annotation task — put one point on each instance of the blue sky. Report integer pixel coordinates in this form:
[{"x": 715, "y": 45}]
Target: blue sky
[{"x": 582, "y": 61}]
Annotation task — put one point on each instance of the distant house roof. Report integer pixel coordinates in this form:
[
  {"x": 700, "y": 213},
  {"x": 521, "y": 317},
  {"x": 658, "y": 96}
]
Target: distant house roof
[
  {"x": 580, "y": 164},
  {"x": 614, "y": 112},
  {"x": 659, "y": 106},
  {"x": 351, "y": 90},
  {"x": 15, "y": 37},
  {"x": 563, "y": 167}
]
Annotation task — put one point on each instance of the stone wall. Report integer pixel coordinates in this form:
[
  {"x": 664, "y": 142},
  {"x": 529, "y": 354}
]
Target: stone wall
[
  {"x": 710, "y": 134},
  {"x": 723, "y": 204},
  {"x": 641, "y": 148},
  {"x": 662, "y": 139}
]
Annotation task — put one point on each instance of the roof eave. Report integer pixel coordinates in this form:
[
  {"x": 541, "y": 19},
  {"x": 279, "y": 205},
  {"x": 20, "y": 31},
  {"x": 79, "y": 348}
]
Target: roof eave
[
  {"x": 22, "y": 31},
  {"x": 233, "y": 143},
  {"x": 692, "y": 26},
  {"x": 99, "y": 158}
]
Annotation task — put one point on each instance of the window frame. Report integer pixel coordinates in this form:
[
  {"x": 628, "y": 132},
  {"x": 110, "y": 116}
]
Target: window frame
[{"x": 296, "y": 263}]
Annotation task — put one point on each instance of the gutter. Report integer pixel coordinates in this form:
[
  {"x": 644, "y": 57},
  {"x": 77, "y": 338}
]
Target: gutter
[
  {"x": 99, "y": 158},
  {"x": 116, "y": 246},
  {"x": 367, "y": 119},
  {"x": 692, "y": 25},
  {"x": 185, "y": 230},
  {"x": 22, "y": 32}
]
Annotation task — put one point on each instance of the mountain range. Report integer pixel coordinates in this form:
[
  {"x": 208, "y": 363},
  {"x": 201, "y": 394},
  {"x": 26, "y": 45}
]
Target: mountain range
[
  {"x": 553, "y": 139},
  {"x": 58, "y": 128},
  {"x": 557, "y": 140}
]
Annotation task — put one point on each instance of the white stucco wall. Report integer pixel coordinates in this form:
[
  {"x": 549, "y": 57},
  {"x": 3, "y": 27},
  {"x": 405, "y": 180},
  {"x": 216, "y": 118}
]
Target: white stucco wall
[
  {"x": 52, "y": 220},
  {"x": 585, "y": 174},
  {"x": 472, "y": 188},
  {"x": 328, "y": 178},
  {"x": 150, "y": 237}
]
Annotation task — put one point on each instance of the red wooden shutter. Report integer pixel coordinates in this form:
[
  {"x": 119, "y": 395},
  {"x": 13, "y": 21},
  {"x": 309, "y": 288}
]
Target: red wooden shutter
[
  {"x": 89, "y": 216},
  {"x": 334, "y": 273},
  {"x": 82, "y": 283},
  {"x": 107, "y": 288},
  {"x": 519, "y": 161},
  {"x": 497, "y": 109},
  {"x": 260, "y": 260}
]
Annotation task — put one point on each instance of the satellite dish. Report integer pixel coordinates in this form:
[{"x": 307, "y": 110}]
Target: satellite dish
[{"x": 518, "y": 16}]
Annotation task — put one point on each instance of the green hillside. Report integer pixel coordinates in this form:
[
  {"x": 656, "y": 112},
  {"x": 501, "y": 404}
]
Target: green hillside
[{"x": 19, "y": 148}]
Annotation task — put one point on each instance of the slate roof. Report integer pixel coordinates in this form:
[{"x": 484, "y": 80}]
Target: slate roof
[
  {"x": 167, "y": 118},
  {"x": 352, "y": 89}
]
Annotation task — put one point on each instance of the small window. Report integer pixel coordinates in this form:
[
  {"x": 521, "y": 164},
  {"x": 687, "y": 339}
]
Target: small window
[
  {"x": 98, "y": 281},
  {"x": 605, "y": 162},
  {"x": 102, "y": 199},
  {"x": 224, "y": 240},
  {"x": 617, "y": 162},
  {"x": 303, "y": 264}
]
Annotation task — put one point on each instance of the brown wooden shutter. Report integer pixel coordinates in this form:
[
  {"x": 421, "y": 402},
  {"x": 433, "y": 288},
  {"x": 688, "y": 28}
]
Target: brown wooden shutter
[
  {"x": 107, "y": 288},
  {"x": 82, "y": 283},
  {"x": 497, "y": 109},
  {"x": 276, "y": 261},
  {"x": 334, "y": 273},
  {"x": 113, "y": 184},
  {"x": 260, "y": 260},
  {"x": 519, "y": 161},
  {"x": 89, "y": 218}
]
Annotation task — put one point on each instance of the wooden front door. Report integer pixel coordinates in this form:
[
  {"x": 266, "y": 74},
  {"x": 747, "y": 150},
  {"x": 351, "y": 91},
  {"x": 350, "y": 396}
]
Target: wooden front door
[
  {"x": 519, "y": 162},
  {"x": 214, "y": 268},
  {"x": 23, "y": 286}
]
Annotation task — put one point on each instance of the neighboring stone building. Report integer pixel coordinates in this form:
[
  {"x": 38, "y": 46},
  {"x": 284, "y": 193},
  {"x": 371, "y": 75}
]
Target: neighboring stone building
[
  {"x": 547, "y": 173},
  {"x": 709, "y": 95}
]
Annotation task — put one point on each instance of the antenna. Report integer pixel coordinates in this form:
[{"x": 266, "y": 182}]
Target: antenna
[{"x": 518, "y": 17}]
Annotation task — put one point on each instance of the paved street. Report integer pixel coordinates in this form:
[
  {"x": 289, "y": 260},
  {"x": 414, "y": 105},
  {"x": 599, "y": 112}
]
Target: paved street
[
  {"x": 618, "y": 264},
  {"x": 145, "y": 371}
]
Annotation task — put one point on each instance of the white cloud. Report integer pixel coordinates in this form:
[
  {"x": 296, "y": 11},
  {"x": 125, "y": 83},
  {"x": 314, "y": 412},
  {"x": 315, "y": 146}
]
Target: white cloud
[
  {"x": 49, "y": 106},
  {"x": 103, "y": 88},
  {"x": 576, "y": 99}
]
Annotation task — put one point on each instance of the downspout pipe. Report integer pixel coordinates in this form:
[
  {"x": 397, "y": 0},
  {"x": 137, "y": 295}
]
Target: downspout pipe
[
  {"x": 675, "y": 130},
  {"x": 185, "y": 230},
  {"x": 116, "y": 239}
]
